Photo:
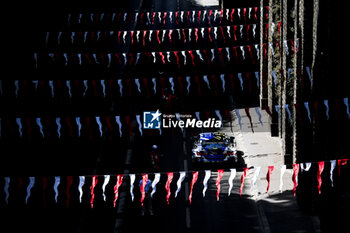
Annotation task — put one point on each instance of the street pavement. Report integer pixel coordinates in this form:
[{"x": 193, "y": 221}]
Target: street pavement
[{"x": 278, "y": 211}]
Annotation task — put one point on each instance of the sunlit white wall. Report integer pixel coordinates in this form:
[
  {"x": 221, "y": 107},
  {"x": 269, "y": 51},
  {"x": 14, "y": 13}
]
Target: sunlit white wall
[{"x": 207, "y": 2}]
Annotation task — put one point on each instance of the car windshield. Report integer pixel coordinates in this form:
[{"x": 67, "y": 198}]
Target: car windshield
[
  {"x": 213, "y": 137},
  {"x": 213, "y": 144}
]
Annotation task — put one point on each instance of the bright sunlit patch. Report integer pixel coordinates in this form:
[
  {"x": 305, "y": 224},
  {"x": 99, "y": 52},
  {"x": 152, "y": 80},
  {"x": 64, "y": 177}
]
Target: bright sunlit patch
[{"x": 207, "y": 2}]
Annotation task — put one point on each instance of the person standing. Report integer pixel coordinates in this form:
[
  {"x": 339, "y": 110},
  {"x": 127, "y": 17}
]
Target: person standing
[{"x": 147, "y": 203}]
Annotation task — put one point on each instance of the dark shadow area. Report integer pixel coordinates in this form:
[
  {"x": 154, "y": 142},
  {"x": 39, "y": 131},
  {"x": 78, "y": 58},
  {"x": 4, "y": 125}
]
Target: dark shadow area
[
  {"x": 284, "y": 215},
  {"x": 230, "y": 214}
]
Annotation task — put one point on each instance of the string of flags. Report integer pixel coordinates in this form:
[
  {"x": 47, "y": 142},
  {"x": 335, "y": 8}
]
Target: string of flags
[
  {"x": 173, "y": 17},
  {"x": 74, "y": 126},
  {"x": 178, "y": 86},
  {"x": 45, "y": 125},
  {"x": 129, "y": 179},
  {"x": 140, "y": 37},
  {"x": 241, "y": 54}
]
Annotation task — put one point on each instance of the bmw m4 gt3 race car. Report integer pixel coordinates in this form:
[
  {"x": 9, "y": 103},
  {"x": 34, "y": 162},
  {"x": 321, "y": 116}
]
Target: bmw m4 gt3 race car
[{"x": 214, "y": 147}]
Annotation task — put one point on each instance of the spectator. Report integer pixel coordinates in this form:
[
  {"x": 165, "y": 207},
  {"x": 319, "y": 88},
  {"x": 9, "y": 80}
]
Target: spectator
[{"x": 147, "y": 202}]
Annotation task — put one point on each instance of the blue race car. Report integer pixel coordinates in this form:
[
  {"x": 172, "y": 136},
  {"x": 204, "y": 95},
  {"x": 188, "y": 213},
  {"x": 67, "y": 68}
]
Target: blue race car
[{"x": 214, "y": 147}]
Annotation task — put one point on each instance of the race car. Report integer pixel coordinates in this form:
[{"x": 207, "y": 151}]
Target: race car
[{"x": 214, "y": 147}]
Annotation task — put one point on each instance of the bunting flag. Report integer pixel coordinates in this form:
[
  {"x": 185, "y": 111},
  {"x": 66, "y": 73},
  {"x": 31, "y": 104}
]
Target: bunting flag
[
  {"x": 144, "y": 181},
  {"x": 98, "y": 121},
  {"x": 116, "y": 189},
  {"x": 308, "y": 73},
  {"x": 205, "y": 181},
  {"x": 295, "y": 177},
  {"x": 267, "y": 109},
  {"x": 218, "y": 179},
  {"x": 69, "y": 185},
  {"x": 87, "y": 120},
  {"x": 305, "y": 166},
  {"x": 306, "y": 104},
  {"x": 29, "y": 187},
  {"x": 340, "y": 163},
  {"x": 132, "y": 180},
  {"x": 274, "y": 77},
  {"x": 259, "y": 115},
  {"x": 289, "y": 114},
  {"x": 58, "y": 123},
  {"x": 154, "y": 85},
  {"x": 177, "y": 116},
  {"x": 179, "y": 80},
  {"x": 117, "y": 119},
  {"x": 194, "y": 180},
  {"x": 268, "y": 176},
  {"x": 19, "y": 184},
  {"x": 228, "y": 115},
  {"x": 319, "y": 173},
  {"x": 167, "y": 185},
  {"x": 120, "y": 84},
  {"x": 239, "y": 75},
  {"x": 138, "y": 119},
  {"x": 92, "y": 190},
  {"x": 346, "y": 102},
  {"x": 250, "y": 118},
  {"x": 17, "y": 87},
  {"x": 205, "y": 78},
  {"x": 230, "y": 180},
  {"x": 19, "y": 123},
  {"x": 255, "y": 177},
  {"x": 69, "y": 124},
  {"x": 6, "y": 189},
  {"x": 245, "y": 170},
  {"x": 137, "y": 82},
  {"x": 55, "y": 186},
  {"x": 105, "y": 182},
  {"x": 217, "y": 112},
  {"x": 44, "y": 187},
  {"x": 154, "y": 183},
  {"x": 80, "y": 187},
  {"x": 316, "y": 112},
  {"x": 69, "y": 88},
  {"x": 127, "y": 59},
  {"x": 179, "y": 182},
  {"x": 171, "y": 81},
  {"x": 77, "y": 120},
  {"x": 109, "y": 124},
  {"x": 86, "y": 87},
  {"x": 142, "y": 187},
  {"x": 283, "y": 170},
  {"x": 162, "y": 17},
  {"x": 277, "y": 109},
  {"x": 333, "y": 164},
  {"x": 36, "y": 83},
  {"x": 239, "y": 118}
]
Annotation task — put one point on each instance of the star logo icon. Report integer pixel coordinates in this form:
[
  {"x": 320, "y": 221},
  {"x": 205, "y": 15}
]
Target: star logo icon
[
  {"x": 156, "y": 116},
  {"x": 151, "y": 120}
]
